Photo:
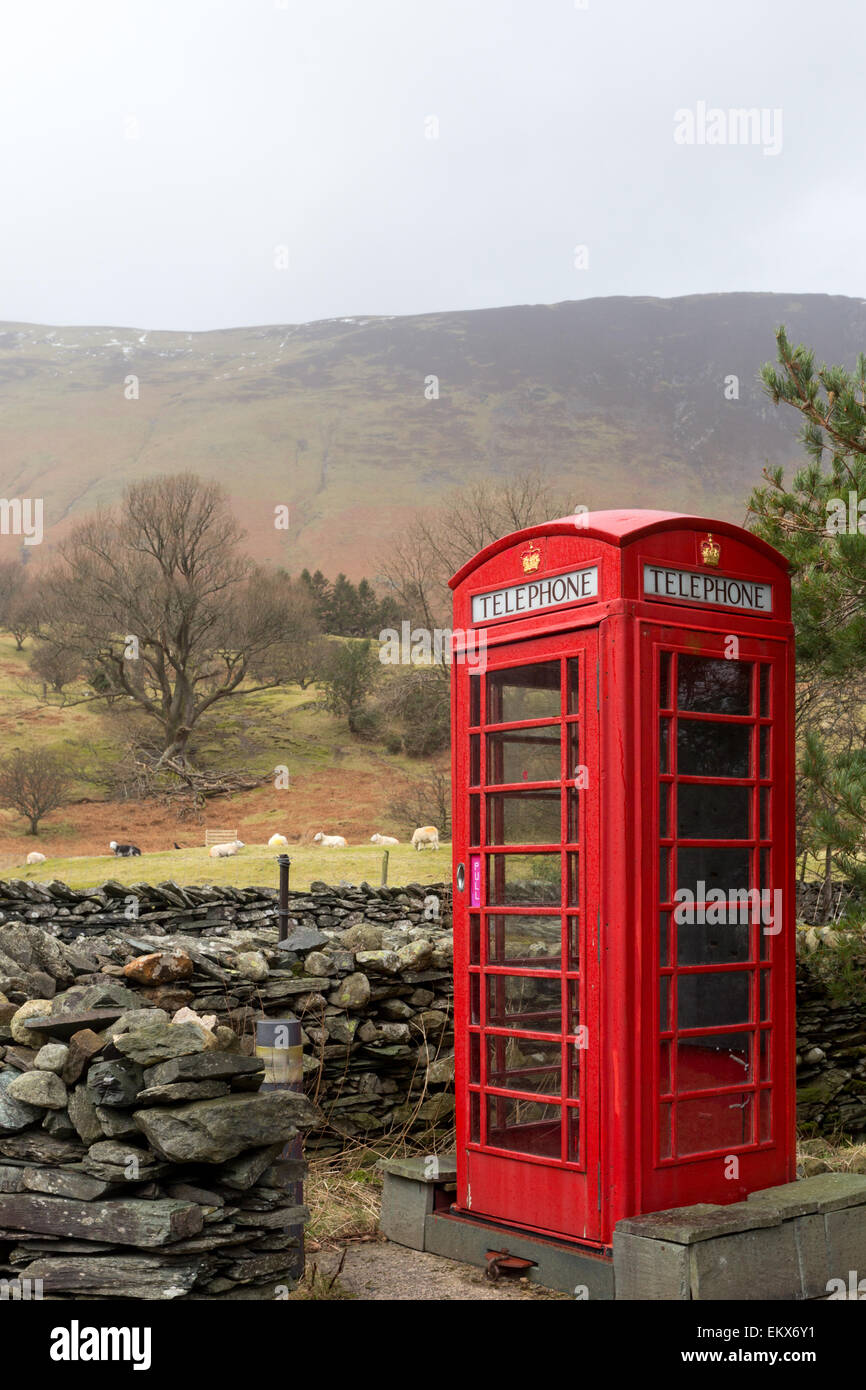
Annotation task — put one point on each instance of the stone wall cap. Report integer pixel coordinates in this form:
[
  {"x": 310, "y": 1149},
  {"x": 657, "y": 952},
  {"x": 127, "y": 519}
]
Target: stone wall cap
[
  {"x": 823, "y": 1192},
  {"x": 704, "y": 1221},
  {"x": 428, "y": 1168}
]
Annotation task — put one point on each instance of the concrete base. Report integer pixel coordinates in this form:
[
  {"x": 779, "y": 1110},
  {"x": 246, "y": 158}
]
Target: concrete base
[{"x": 790, "y": 1243}]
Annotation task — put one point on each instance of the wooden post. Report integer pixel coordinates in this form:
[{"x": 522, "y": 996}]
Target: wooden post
[{"x": 385, "y": 869}]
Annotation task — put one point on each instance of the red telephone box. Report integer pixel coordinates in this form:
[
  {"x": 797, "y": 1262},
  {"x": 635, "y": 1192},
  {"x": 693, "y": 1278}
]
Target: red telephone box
[{"x": 623, "y": 855}]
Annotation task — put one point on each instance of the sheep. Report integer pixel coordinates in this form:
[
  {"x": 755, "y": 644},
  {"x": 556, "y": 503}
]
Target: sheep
[
  {"x": 278, "y": 842},
  {"x": 223, "y": 851},
  {"x": 123, "y": 850},
  {"x": 426, "y": 836},
  {"x": 329, "y": 841},
  {"x": 383, "y": 840},
  {"x": 34, "y": 857}
]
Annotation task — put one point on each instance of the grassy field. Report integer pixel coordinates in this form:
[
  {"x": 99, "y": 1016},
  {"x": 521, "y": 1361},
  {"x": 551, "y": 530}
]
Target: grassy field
[{"x": 254, "y": 864}]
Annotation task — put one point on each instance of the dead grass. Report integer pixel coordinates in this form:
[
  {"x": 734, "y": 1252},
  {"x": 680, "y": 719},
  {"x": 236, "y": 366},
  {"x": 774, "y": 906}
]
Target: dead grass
[{"x": 829, "y": 1155}]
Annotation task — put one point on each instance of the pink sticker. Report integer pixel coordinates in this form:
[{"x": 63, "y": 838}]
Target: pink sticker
[{"x": 475, "y": 880}]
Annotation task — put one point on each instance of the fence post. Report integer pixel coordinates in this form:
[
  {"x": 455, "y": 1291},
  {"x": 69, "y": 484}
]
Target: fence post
[
  {"x": 385, "y": 868},
  {"x": 278, "y": 1044},
  {"x": 283, "y": 910}
]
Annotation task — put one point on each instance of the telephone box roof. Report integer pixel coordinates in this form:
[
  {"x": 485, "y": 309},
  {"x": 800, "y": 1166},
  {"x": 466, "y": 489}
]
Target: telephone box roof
[{"x": 620, "y": 527}]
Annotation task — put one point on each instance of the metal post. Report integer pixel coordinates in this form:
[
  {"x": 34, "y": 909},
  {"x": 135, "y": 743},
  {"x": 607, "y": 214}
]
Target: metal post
[
  {"x": 384, "y": 868},
  {"x": 283, "y": 910}
]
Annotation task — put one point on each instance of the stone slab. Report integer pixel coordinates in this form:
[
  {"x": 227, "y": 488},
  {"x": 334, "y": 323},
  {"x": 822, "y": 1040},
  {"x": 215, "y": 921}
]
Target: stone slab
[
  {"x": 821, "y": 1193},
  {"x": 650, "y": 1269},
  {"x": 760, "y": 1264},
  {"x": 704, "y": 1221}
]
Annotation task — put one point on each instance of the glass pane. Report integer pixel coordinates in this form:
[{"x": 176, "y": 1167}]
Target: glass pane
[
  {"x": 474, "y": 820},
  {"x": 664, "y": 1003},
  {"x": 664, "y": 1068},
  {"x": 664, "y": 680},
  {"x": 574, "y": 1006},
  {"x": 664, "y": 800},
  {"x": 664, "y": 1131},
  {"x": 573, "y": 766},
  {"x": 765, "y": 750},
  {"x": 702, "y": 943},
  {"x": 523, "y": 755},
  {"x": 573, "y": 928},
  {"x": 474, "y": 999},
  {"x": 523, "y": 938},
  {"x": 524, "y": 1001},
  {"x": 702, "y": 868},
  {"x": 474, "y": 939},
  {"x": 474, "y": 760},
  {"x": 712, "y": 812},
  {"x": 711, "y": 1000},
  {"x": 664, "y": 745},
  {"x": 664, "y": 938},
  {"x": 709, "y": 685},
  {"x": 524, "y": 880},
  {"x": 575, "y": 1059},
  {"x": 524, "y": 1064},
  {"x": 524, "y": 692},
  {"x": 524, "y": 818},
  {"x": 765, "y": 813},
  {"x": 707, "y": 748},
  {"x": 573, "y": 828},
  {"x": 474, "y": 1058},
  {"x": 574, "y": 685},
  {"x": 523, "y": 1126},
  {"x": 474, "y": 1118},
  {"x": 573, "y": 868},
  {"x": 765, "y": 1120},
  {"x": 713, "y": 1061},
  {"x": 765, "y": 1056},
  {"x": 474, "y": 700},
  {"x": 713, "y": 1122},
  {"x": 664, "y": 874},
  {"x": 573, "y": 1114},
  {"x": 764, "y": 703},
  {"x": 765, "y": 997}
]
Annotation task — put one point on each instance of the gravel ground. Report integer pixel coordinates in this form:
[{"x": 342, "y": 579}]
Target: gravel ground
[{"x": 380, "y": 1270}]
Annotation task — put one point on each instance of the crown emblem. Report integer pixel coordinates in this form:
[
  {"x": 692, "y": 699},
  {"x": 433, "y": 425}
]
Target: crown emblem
[
  {"x": 530, "y": 558},
  {"x": 710, "y": 551}
]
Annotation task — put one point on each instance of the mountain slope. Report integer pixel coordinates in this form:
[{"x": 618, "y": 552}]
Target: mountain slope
[{"x": 620, "y": 401}]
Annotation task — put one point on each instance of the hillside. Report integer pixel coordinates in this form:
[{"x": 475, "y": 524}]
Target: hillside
[{"x": 620, "y": 400}]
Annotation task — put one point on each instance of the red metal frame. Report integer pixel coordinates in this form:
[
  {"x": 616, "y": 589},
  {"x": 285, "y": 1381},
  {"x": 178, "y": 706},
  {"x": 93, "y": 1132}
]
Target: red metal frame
[{"x": 625, "y": 1163}]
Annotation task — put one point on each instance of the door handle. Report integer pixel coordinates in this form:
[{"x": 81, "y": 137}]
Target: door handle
[{"x": 461, "y": 878}]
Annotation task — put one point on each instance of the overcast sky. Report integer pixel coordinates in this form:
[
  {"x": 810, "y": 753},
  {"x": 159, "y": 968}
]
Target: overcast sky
[{"x": 211, "y": 163}]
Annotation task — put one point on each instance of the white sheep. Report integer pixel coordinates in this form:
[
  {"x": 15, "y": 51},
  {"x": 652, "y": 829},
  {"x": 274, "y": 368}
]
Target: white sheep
[
  {"x": 383, "y": 840},
  {"x": 329, "y": 841},
  {"x": 278, "y": 842},
  {"x": 223, "y": 851},
  {"x": 426, "y": 836},
  {"x": 34, "y": 857}
]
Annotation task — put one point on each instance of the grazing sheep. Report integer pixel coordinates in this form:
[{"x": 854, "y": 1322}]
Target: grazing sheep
[
  {"x": 426, "y": 837},
  {"x": 329, "y": 841},
  {"x": 123, "y": 850},
  {"x": 278, "y": 842},
  {"x": 383, "y": 840},
  {"x": 223, "y": 851},
  {"x": 34, "y": 857}
]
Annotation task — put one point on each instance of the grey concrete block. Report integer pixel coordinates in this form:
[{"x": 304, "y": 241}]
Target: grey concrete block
[
  {"x": 846, "y": 1242},
  {"x": 405, "y": 1207},
  {"x": 649, "y": 1269},
  {"x": 704, "y": 1221},
  {"x": 758, "y": 1264},
  {"x": 811, "y": 1241},
  {"x": 823, "y": 1192},
  {"x": 583, "y": 1274}
]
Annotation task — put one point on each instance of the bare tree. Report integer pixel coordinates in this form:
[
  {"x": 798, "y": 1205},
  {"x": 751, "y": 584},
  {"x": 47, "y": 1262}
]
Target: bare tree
[
  {"x": 439, "y": 542},
  {"x": 35, "y": 781},
  {"x": 424, "y": 801},
  {"x": 161, "y": 606}
]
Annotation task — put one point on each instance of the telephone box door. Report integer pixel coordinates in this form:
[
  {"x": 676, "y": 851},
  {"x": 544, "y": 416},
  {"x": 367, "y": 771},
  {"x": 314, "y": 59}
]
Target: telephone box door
[{"x": 526, "y": 963}]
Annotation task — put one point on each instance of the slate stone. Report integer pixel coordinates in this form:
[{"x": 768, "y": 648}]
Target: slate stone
[
  {"x": 242, "y": 1172},
  {"x": 302, "y": 939},
  {"x": 704, "y": 1221},
  {"x": 352, "y": 993},
  {"x": 206, "y": 1066},
  {"x": 182, "y": 1091},
  {"x": 83, "y": 1044},
  {"x": 212, "y": 1131},
  {"x": 65, "y": 1182},
  {"x": 35, "y": 1146},
  {"x": 121, "y": 1221},
  {"x": 822, "y": 1193},
  {"x": 52, "y": 1057},
  {"x": 11, "y": 1178},
  {"x": 39, "y": 1088},
  {"x": 82, "y": 1113},
  {"x": 114, "y": 1084},
  {"x": 159, "y": 1042},
  {"x": 116, "y": 1124},
  {"x": 147, "y": 1277},
  {"x": 65, "y": 1024},
  {"x": 57, "y": 1122},
  {"x": 15, "y": 1115}
]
